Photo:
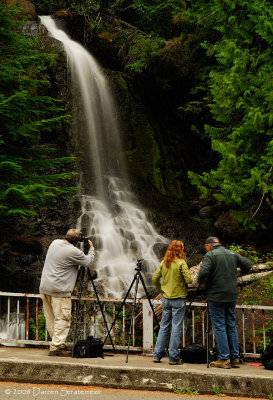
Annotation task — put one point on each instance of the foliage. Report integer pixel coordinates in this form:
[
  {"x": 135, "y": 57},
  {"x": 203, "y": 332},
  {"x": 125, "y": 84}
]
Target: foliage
[
  {"x": 119, "y": 314},
  {"x": 217, "y": 391},
  {"x": 259, "y": 289},
  {"x": 138, "y": 29},
  {"x": 246, "y": 252},
  {"x": 251, "y": 253},
  {"x": 44, "y": 7},
  {"x": 41, "y": 327},
  {"x": 30, "y": 175},
  {"x": 268, "y": 335},
  {"x": 184, "y": 390},
  {"x": 240, "y": 101}
]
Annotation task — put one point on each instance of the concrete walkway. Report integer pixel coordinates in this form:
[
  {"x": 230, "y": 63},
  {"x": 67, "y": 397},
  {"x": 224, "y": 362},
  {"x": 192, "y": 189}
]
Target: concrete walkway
[{"x": 35, "y": 366}]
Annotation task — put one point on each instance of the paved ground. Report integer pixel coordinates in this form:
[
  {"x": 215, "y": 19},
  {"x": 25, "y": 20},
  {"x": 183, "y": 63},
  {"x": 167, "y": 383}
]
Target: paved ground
[
  {"x": 35, "y": 366},
  {"x": 27, "y": 391}
]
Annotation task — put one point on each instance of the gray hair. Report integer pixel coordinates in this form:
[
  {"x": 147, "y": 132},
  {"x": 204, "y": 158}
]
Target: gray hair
[{"x": 73, "y": 236}]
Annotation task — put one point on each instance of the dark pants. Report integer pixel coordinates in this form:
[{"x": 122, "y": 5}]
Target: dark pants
[{"x": 224, "y": 328}]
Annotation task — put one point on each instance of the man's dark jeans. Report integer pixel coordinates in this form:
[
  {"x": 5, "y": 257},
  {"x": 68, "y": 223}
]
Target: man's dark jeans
[{"x": 224, "y": 328}]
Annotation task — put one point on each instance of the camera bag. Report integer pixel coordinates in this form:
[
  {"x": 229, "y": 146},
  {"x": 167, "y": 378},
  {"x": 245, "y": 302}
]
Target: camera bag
[
  {"x": 88, "y": 348},
  {"x": 194, "y": 353},
  {"x": 267, "y": 356}
]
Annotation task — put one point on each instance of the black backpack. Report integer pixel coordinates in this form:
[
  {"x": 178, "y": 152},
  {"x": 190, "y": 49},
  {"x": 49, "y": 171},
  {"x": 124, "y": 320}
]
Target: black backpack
[
  {"x": 88, "y": 348},
  {"x": 267, "y": 356},
  {"x": 194, "y": 353}
]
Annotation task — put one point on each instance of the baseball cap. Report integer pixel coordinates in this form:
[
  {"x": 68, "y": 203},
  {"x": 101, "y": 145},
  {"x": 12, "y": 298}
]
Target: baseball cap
[{"x": 213, "y": 240}]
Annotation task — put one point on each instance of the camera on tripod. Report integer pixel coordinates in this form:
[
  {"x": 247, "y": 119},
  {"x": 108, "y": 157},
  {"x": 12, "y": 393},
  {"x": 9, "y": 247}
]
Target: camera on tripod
[
  {"x": 84, "y": 240},
  {"x": 139, "y": 265}
]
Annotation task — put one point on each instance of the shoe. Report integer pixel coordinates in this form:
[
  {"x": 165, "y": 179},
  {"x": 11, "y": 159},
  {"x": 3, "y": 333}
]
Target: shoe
[
  {"x": 156, "y": 360},
  {"x": 60, "y": 353},
  {"x": 235, "y": 364},
  {"x": 66, "y": 347},
  {"x": 178, "y": 362},
  {"x": 220, "y": 364}
]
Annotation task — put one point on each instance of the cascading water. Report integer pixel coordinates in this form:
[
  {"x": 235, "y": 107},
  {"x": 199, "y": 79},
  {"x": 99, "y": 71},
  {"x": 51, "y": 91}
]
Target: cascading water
[
  {"x": 111, "y": 217},
  {"x": 9, "y": 329}
]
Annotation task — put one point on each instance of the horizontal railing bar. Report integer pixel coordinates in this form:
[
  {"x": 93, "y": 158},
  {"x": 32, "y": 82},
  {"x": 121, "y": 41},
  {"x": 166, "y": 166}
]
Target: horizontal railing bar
[
  {"x": 83, "y": 298},
  {"x": 46, "y": 343},
  {"x": 139, "y": 301}
]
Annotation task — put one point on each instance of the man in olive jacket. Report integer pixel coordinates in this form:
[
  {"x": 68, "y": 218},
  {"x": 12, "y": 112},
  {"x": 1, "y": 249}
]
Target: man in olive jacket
[{"x": 219, "y": 273}]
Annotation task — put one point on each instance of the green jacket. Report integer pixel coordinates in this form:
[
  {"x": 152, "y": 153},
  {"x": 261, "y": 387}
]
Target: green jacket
[
  {"x": 174, "y": 279},
  {"x": 219, "y": 271}
]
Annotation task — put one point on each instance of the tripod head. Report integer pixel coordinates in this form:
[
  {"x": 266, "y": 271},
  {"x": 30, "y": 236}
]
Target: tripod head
[
  {"x": 85, "y": 243},
  {"x": 139, "y": 265}
]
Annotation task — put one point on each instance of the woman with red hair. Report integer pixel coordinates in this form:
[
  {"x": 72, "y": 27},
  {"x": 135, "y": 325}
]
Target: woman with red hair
[{"x": 175, "y": 276}]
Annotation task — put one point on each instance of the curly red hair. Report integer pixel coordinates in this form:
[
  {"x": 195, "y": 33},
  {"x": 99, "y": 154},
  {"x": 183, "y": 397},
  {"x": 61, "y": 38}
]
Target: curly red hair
[{"x": 175, "y": 250}]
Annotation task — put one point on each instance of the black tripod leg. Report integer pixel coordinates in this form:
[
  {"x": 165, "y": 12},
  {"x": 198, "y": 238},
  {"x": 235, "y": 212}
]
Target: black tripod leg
[
  {"x": 101, "y": 309},
  {"x": 193, "y": 297},
  {"x": 81, "y": 274},
  {"x": 148, "y": 297},
  {"x": 122, "y": 304},
  {"x": 207, "y": 331},
  {"x": 132, "y": 317}
]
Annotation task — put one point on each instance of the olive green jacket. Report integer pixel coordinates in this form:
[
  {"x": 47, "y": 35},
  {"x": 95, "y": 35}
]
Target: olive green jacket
[
  {"x": 174, "y": 279},
  {"x": 219, "y": 271}
]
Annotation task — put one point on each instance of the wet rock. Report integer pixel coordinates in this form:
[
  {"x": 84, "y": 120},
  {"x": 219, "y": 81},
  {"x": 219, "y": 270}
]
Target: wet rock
[
  {"x": 160, "y": 249},
  {"x": 24, "y": 244},
  {"x": 207, "y": 212},
  {"x": 228, "y": 227}
]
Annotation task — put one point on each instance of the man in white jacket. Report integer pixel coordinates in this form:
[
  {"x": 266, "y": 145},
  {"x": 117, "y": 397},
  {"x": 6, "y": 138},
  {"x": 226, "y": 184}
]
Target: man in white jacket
[{"x": 58, "y": 280}]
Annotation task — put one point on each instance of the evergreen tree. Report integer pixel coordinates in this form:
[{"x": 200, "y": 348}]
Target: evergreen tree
[
  {"x": 30, "y": 175},
  {"x": 240, "y": 99}
]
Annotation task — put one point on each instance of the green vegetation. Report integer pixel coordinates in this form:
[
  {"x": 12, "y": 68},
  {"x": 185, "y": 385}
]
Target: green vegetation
[
  {"x": 217, "y": 391},
  {"x": 246, "y": 252},
  {"x": 30, "y": 175},
  {"x": 252, "y": 254},
  {"x": 41, "y": 328},
  {"x": 239, "y": 98},
  {"x": 184, "y": 390}
]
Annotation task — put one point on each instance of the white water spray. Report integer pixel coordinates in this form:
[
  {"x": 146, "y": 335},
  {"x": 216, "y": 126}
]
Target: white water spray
[{"x": 112, "y": 219}]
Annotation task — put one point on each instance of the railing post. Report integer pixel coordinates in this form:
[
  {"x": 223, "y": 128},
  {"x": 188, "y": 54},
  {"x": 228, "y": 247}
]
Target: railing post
[{"x": 148, "y": 332}]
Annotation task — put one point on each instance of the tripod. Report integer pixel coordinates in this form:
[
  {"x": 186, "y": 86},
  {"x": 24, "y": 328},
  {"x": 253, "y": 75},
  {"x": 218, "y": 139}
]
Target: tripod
[
  {"x": 207, "y": 332},
  {"x": 192, "y": 299},
  {"x": 80, "y": 276},
  {"x": 207, "y": 322},
  {"x": 137, "y": 277}
]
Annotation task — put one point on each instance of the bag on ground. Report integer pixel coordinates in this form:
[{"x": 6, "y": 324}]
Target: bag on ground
[
  {"x": 194, "y": 353},
  {"x": 267, "y": 356},
  {"x": 88, "y": 348}
]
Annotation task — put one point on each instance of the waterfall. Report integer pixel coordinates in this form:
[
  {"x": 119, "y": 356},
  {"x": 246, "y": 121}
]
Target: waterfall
[
  {"x": 10, "y": 329},
  {"x": 111, "y": 216}
]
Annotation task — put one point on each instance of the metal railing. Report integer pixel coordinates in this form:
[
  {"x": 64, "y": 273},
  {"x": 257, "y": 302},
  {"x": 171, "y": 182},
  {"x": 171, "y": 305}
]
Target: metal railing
[{"x": 23, "y": 323}]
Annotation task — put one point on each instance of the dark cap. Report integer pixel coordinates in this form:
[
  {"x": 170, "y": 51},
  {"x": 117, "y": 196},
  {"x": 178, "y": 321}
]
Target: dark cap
[{"x": 214, "y": 241}]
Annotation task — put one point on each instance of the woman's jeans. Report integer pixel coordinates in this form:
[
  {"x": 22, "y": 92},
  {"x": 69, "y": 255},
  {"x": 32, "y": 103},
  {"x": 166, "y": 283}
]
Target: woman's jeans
[
  {"x": 224, "y": 328},
  {"x": 173, "y": 311}
]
